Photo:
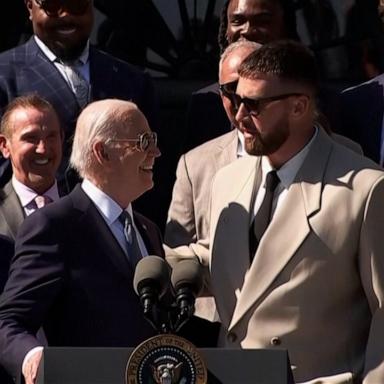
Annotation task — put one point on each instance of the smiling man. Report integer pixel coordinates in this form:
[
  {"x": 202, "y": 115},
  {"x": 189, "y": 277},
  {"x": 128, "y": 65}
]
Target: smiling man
[
  {"x": 31, "y": 138},
  {"x": 60, "y": 64},
  {"x": 74, "y": 263}
]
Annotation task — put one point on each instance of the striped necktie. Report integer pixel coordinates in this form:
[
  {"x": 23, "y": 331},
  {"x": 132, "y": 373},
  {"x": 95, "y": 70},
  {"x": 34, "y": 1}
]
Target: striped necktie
[{"x": 78, "y": 83}]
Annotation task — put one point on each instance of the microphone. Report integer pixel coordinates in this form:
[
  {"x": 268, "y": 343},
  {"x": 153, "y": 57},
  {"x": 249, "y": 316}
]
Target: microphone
[
  {"x": 150, "y": 282},
  {"x": 187, "y": 282}
]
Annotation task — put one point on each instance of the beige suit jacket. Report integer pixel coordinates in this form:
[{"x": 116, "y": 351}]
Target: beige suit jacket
[
  {"x": 11, "y": 211},
  {"x": 188, "y": 215},
  {"x": 316, "y": 284}
]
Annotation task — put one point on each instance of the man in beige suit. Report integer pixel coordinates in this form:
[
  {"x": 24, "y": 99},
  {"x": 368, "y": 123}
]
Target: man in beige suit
[
  {"x": 314, "y": 285},
  {"x": 188, "y": 218}
]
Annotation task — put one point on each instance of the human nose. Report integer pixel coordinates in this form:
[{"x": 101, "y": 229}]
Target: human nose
[
  {"x": 241, "y": 114},
  {"x": 41, "y": 146},
  {"x": 154, "y": 151}
]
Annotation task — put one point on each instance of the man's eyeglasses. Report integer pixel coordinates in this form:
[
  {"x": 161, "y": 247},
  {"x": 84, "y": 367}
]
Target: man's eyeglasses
[
  {"x": 228, "y": 89},
  {"x": 254, "y": 106},
  {"x": 143, "y": 141},
  {"x": 55, "y": 7}
]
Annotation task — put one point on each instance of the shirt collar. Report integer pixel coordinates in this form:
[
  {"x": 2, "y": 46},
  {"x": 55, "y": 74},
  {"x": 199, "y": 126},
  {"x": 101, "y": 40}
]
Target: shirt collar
[
  {"x": 26, "y": 194},
  {"x": 241, "y": 152},
  {"x": 288, "y": 171},
  {"x": 108, "y": 207},
  {"x": 83, "y": 58}
]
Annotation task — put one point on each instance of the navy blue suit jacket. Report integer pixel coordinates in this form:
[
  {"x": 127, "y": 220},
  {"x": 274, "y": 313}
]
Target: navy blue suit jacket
[
  {"x": 70, "y": 275},
  {"x": 6, "y": 253},
  {"x": 25, "y": 69},
  {"x": 361, "y": 115}
]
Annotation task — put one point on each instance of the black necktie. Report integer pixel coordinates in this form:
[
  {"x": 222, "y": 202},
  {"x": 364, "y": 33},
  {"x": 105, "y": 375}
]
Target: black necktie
[
  {"x": 133, "y": 249},
  {"x": 263, "y": 215}
]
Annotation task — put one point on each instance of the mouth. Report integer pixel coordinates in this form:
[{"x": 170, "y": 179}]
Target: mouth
[
  {"x": 43, "y": 161},
  {"x": 146, "y": 168},
  {"x": 66, "y": 30}
]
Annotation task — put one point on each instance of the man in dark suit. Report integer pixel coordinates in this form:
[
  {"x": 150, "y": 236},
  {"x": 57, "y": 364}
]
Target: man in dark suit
[
  {"x": 31, "y": 138},
  {"x": 58, "y": 48},
  {"x": 74, "y": 262},
  {"x": 360, "y": 113}
]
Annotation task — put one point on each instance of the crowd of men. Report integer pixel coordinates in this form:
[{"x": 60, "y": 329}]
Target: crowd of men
[{"x": 282, "y": 209}]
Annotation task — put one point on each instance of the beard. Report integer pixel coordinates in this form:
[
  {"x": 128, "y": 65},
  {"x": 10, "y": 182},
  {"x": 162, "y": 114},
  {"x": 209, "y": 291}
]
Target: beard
[{"x": 264, "y": 144}]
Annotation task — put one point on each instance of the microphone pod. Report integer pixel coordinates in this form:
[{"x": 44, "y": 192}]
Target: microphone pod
[
  {"x": 188, "y": 274},
  {"x": 151, "y": 272}
]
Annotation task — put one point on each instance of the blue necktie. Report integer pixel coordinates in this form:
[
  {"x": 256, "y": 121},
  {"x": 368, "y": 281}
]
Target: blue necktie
[{"x": 132, "y": 245}]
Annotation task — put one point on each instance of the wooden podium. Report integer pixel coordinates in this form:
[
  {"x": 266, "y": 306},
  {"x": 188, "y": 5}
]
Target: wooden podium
[{"x": 107, "y": 366}]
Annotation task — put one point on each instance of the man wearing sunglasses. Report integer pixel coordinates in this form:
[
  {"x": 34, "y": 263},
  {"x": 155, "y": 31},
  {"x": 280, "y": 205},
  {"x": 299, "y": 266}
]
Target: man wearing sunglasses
[
  {"x": 254, "y": 20},
  {"x": 59, "y": 63},
  {"x": 295, "y": 251},
  {"x": 74, "y": 265}
]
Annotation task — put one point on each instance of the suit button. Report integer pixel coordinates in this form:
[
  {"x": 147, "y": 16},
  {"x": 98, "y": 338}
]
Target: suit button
[
  {"x": 232, "y": 337},
  {"x": 275, "y": 341}
]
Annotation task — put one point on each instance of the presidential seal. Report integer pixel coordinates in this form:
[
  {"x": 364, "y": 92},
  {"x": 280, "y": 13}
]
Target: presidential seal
[{"x": 166, "y": 359}]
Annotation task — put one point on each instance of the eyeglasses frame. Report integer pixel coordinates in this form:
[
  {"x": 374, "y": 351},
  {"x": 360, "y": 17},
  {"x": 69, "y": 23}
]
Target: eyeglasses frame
[{"x": 150, "y": 136}]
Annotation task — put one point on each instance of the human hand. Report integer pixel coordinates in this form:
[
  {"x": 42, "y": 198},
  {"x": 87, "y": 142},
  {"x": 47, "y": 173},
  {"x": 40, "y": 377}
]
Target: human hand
[{"x": 31, "y": 366}]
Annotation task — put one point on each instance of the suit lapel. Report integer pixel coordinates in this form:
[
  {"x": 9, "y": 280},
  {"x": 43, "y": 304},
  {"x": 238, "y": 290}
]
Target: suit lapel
[
  {"x": 100, "y": 234},
  {"x": 12, "y": 210},
  {"x": 229, "y": 253},
  {"x": 288, "y": 229},
  {"x": 39, "y": 74},
  {"x": 226, "y": 151}
]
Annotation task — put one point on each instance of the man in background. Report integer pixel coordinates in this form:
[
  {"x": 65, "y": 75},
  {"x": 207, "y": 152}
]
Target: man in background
[
  {"x": 58, "y": 63},
  {"x": 255, "y": 20},
  {"x": 31, "y": 138}
]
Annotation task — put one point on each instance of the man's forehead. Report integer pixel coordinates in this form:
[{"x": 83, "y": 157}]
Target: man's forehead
[{"x": 257, "y": 6}]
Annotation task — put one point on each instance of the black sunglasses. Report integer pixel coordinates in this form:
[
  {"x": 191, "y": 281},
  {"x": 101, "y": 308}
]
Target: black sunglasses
[
  {"x": 54, "y": 7},
  {"x": 253, "y": 106},
  {"x": 228, "y": 89}
]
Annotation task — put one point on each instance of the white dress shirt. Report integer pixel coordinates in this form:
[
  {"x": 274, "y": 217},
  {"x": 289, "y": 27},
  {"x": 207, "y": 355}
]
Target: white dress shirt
[
  {"x": 110, "y": 211},
  {"x": 286, "y": 173}
]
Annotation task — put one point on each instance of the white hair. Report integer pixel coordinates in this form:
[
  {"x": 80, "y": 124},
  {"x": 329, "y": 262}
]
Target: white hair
[{"x": 100, "y": 120}]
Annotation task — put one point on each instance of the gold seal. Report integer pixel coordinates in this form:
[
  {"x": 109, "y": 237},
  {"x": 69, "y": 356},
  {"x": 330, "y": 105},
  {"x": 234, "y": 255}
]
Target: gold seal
[{"x": 166, "y": 359}]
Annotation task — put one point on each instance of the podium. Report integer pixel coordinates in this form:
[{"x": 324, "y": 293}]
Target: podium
[{"x": 107, "y": 366}]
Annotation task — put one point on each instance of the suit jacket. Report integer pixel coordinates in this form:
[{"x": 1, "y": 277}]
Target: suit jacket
[
  {"x": 25, "y": 69},
  {"x": 11, "y": 212},
  {"x": 70, "y": 274},
  {"x": 6, "y": 253},
  {"x": 188, "y": 218},
  {"x": 361, "y": 115},
  {"x": 315, "y": 284}
]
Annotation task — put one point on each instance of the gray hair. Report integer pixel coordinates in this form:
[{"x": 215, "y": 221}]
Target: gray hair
[
  {"x": 247, "y": 44},
  {"x": 99, "y": 121}
]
